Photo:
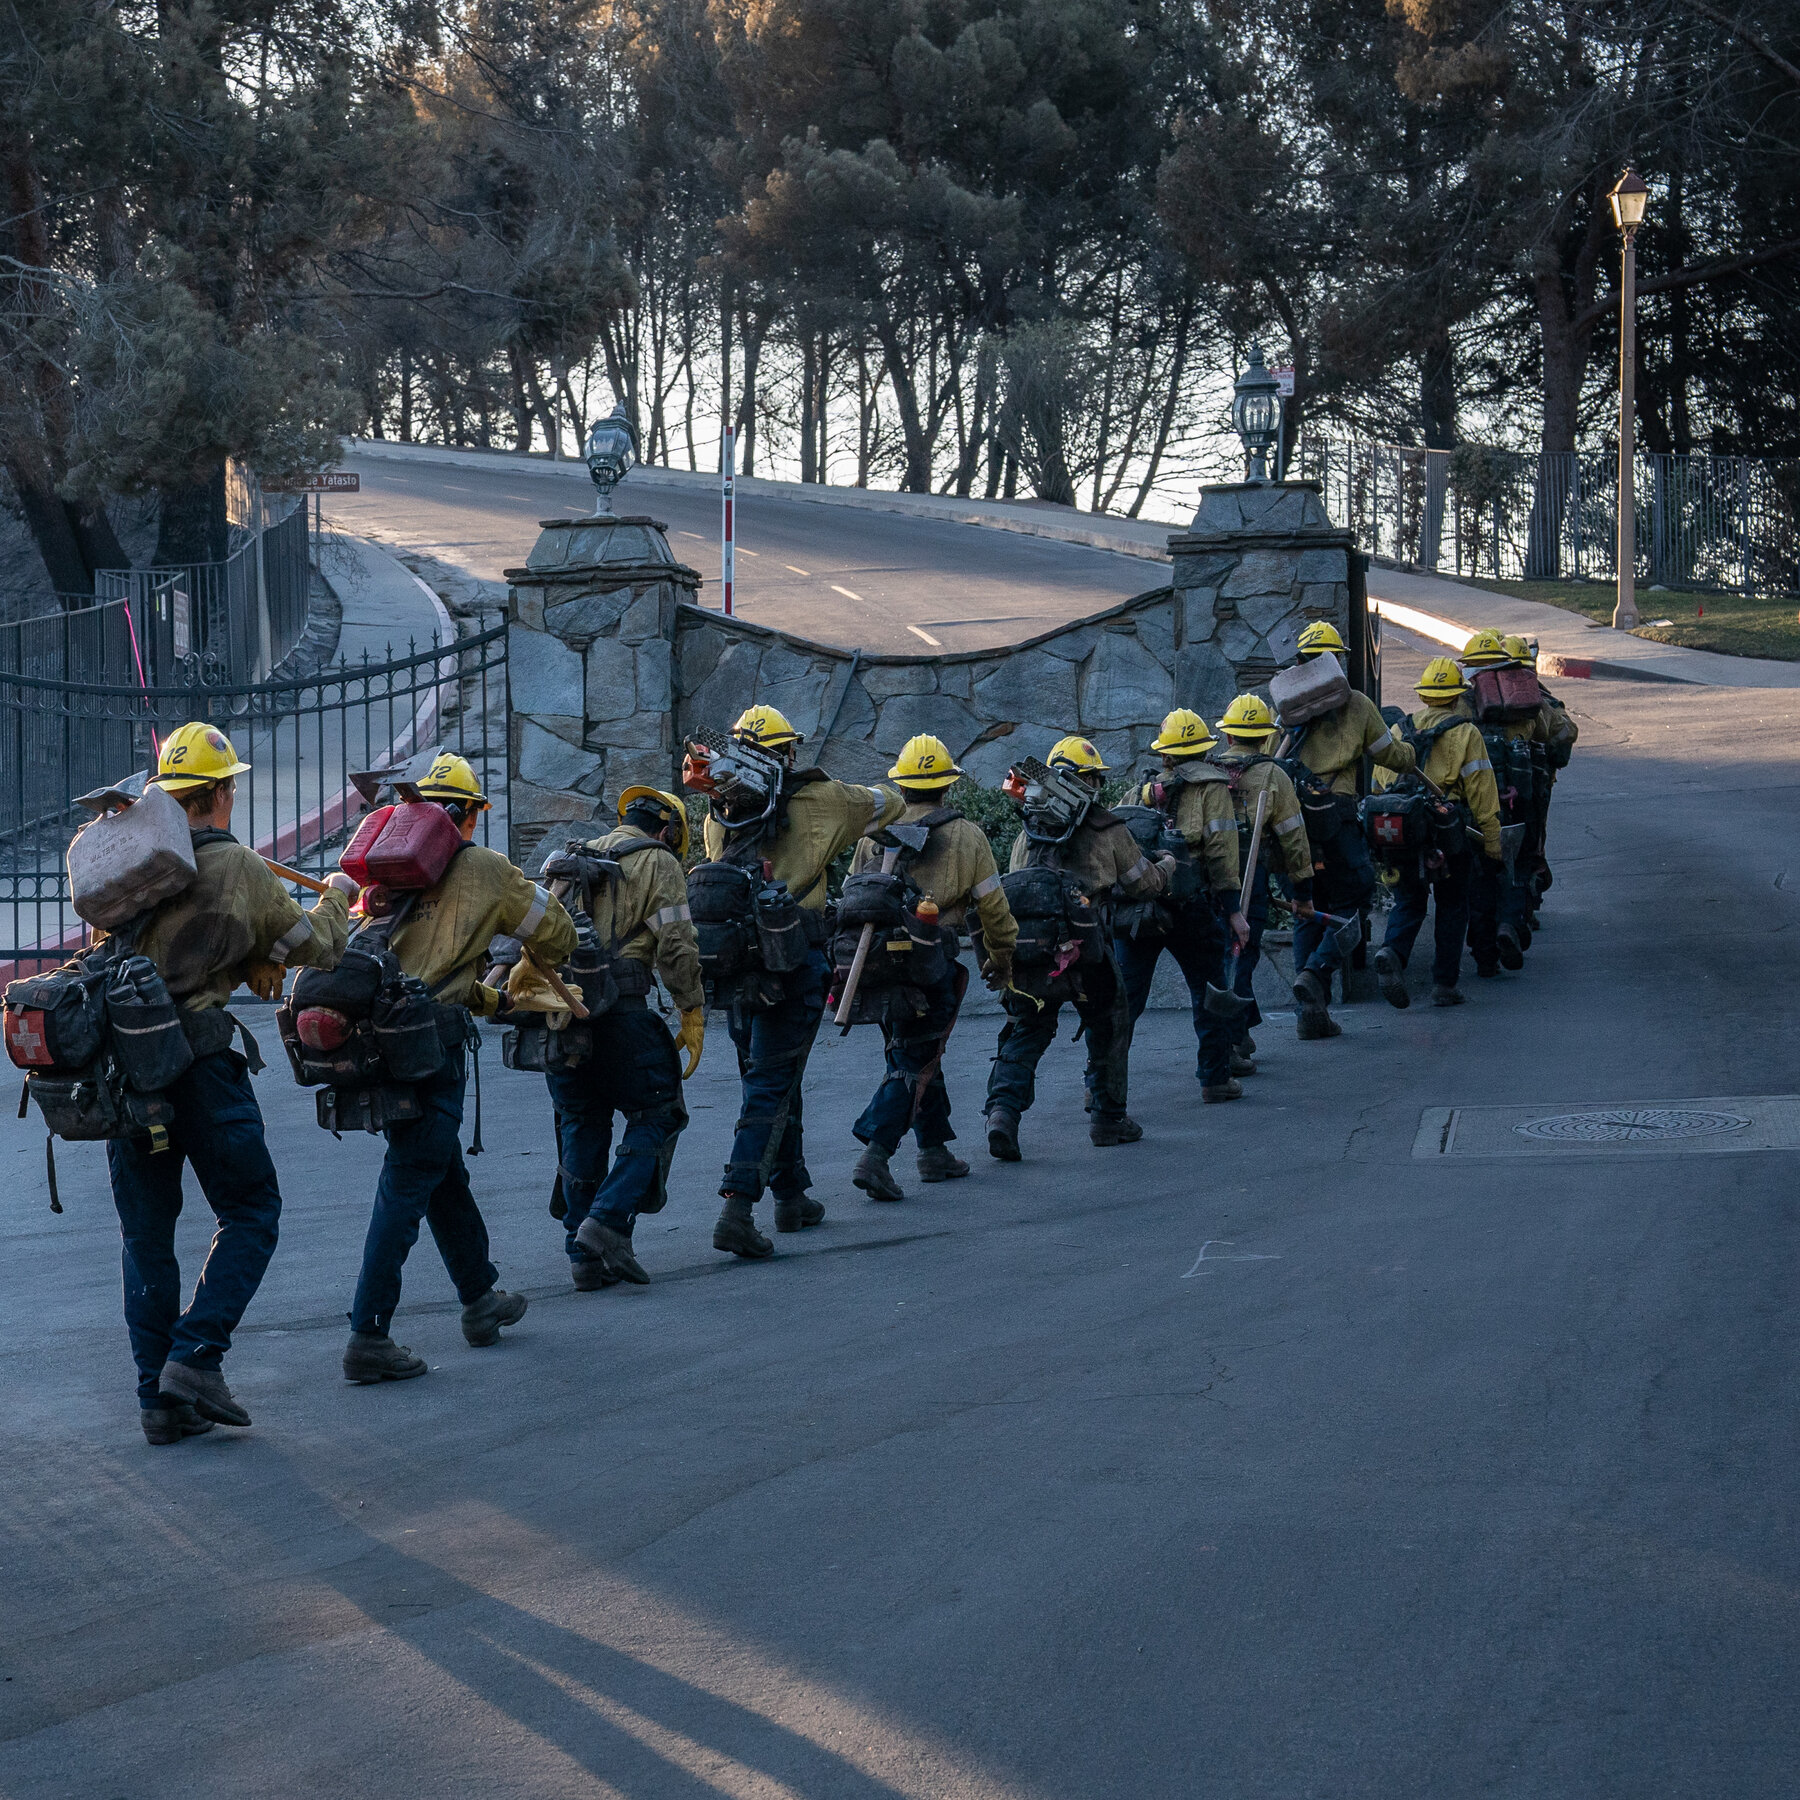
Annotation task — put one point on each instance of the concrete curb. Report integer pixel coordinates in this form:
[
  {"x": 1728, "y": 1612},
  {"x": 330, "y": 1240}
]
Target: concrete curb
[
  {"x": 1144, "y": 539},
  {"x": 1576, "y": 668}
]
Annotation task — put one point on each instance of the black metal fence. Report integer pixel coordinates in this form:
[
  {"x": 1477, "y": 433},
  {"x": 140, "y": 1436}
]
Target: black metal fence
[
  {"x": 1724, "y": 523},
  {"x": 303, "y": 739}
]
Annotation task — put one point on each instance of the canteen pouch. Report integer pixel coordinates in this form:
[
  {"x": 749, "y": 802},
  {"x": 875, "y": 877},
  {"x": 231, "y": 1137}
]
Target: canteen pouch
[
  {"x": 126, "y": 861},
  {"x": 148, "y": 1042},
  {"x": 525, "y": 1047},
  {"x": 413, "y": 847},
  {"x": 370, "y": 1109},
  {"x": 405, "y": 1025},
  {"x": 56, "y": 1020},
  {"x": 354, "y": 859},
  {"x": 781, "y": 940},
  {"x": 1308, "y": 690},
  {"x": 1506, "y": 696}
]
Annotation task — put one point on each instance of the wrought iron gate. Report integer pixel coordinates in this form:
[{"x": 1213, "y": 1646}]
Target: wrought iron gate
[{"x": 302, "y": 738}]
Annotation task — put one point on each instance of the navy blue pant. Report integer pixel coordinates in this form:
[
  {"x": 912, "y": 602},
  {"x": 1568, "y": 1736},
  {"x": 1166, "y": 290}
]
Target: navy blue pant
[
  {"x": 423, "y": 1177},
  {"x": 1495, "y": 899},
  {"x": 898, "y": 1105},
  {"x": 634, "y": 1069},
  {"x": 768, "y": 1149},
  {"x": 1344, "y": 885},
  {"x": 1448, "y": 891},
  {"x": 1030, "y": 1030},
  {"x": 1198, "y": 946},
  {"x": 219, "y": 1129}
]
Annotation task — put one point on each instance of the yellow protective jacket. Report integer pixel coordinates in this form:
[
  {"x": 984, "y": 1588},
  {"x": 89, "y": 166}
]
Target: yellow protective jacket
[
  {"x": 1556, "y": 728},
  {"x": 957, "y": 870},
  {"x": 237, "y": 912},
  {"x": 449, "y": 928},
  {"x": 1199, "y": 800},
  {"x": 1101, "y": 854},
  {"x": 645, "y": 912},
  {"x": 1458, "y": 763},
  {"x": 1284, "y": 844},
  {"x": 824, "y": 818},
  {"x": 1337, "y": 741}
]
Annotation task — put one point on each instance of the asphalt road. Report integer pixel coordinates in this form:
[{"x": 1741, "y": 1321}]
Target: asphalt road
[
  {"x": 881, "y": 581},
  {"x": 1262, "y": 1458}
]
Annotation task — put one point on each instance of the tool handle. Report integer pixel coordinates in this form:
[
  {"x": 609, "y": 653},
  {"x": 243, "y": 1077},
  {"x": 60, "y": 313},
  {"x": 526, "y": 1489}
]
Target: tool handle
[
  {"x": 558, "y": 986},
  {"x": 299, "y": 880},
  {"x": 1262, "y": 806},
  {"x": 864, "y": 944}
]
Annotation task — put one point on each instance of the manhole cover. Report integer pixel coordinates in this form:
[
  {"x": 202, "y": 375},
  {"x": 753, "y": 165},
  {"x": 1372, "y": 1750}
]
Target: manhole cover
[{"x": 1631, "y": 1125}]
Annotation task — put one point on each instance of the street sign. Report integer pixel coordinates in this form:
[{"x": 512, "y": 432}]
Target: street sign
[
  {"x": 1284, "y": 380},
  {"x": 181, "y": 622},
  {"x": 330, "y": 481}
]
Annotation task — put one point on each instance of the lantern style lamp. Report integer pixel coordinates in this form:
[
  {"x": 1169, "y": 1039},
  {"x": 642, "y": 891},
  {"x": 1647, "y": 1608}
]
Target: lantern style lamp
[
  {"x": 611, "y": 453},
  {"x": 1256, "y": 413},
  {"x": 1627, "y": 200}
]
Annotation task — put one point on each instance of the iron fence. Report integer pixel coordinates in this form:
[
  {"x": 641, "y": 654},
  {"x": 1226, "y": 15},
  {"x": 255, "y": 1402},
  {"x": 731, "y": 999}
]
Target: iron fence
[
  {"x": 302, "y": 738},
  {"x": 1722, "y": 523}
]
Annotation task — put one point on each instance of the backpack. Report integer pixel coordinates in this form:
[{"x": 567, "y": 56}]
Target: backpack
[
  {"x": 366, "y": 1032},
  {"x": 750, "y": 932},
  {"x": 908, "y": 955},
  {"x": 1060, "y": 931}
]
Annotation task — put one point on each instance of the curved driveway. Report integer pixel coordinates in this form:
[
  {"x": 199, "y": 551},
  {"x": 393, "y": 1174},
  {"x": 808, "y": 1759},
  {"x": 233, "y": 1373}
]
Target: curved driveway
[{"x": 878, "y": 581}]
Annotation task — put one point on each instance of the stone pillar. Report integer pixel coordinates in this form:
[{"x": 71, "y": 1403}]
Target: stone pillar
[
  {"x": 1259, "y": 563},
  {"x": 591, "y": 628}
]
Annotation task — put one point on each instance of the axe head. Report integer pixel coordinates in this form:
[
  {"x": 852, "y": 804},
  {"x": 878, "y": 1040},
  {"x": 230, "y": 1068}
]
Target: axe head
[
  {"x": 910, "y": 837},
  {"x": 1222, "y": 1003},
  {"x": 1347, "y": 936},
  {"x": 119, "y": 794}
]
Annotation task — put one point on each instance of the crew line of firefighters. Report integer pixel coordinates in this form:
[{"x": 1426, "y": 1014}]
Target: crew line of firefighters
[{"x": 379, "y": 1017}]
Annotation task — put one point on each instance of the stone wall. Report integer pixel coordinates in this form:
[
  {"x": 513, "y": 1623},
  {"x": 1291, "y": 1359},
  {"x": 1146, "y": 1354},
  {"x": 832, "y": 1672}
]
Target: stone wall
[{"x": 612, "y": 663}]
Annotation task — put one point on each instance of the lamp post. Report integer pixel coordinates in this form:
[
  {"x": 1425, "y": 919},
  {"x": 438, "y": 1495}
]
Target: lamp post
[
  {"x": 1627, "y": 200},
  {"x": 1256, "y": 413},
  {"x": 611, "y": 452}
]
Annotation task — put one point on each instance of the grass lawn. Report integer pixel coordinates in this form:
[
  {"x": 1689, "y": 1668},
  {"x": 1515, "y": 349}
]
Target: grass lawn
[{"x": 1728, "y": 623}]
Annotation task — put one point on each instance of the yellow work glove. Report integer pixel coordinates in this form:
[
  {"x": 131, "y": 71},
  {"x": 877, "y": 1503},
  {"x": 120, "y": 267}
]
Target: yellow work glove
[
  {"x": 999, "y": 971},
  {"x": 691, "y": 1036},
  {"x": 265, "y": 979}
]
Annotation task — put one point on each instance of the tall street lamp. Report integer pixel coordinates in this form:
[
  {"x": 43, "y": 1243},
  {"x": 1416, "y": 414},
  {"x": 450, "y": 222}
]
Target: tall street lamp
[
  {"x": 1627, "y": 199},
  {"x": 1256, "y": 413}
]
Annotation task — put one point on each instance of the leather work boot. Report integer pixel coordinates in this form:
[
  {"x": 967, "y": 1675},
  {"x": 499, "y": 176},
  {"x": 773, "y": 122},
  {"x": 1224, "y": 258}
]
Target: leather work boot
[
  {"x": 1311, "y": 992},
  {"x": 1390, "y": 972},
  {"x": 1247, "y": 1044},
  {"x": 1315, "y": 1022},
  {"x": 1003, "y": 1134},
  {"x": 170, "y": 1424},
  {"x": 796, "y": 1212},
  {"x": 370, "y": 1356},
  {"x": 1222, "y": 1091},
  {"x": 202, "y": 1389},
  {"x": 613, "y": 1247},
  {"x": 590, "y": 1274},
  {"x": 938, "y": 1164},
  {"x": 736, "y": 1230},
  {"x": 874, "y": 1177},
  {"x": 482, "y": 1319},
  {"x": 1242, "y": 1064},
  {"x": 1447, "y": 996},
  {"x": 1525, "y": 935},
  {"x": 1512, "y": 952},
  {"x": 1487, "y": 971},
  {"x": 1113, "y": 1130}
]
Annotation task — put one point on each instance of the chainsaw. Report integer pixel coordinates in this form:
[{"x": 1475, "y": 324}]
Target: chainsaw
[
  {"x": 742, "y": 781},
  {"x": 1053, "y": 805}
]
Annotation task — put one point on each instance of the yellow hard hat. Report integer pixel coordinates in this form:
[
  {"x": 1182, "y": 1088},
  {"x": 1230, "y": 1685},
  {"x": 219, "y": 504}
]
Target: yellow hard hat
[
  {"x": 925, "y": 762},
  {"x": 1442, "y": 678},
  {"x": 1483, "y": 648},
  {"x": 1076, "y": 753},
  {"x": 1521, "y": 650},
  {"x": 765, "y": 727},
  {"x": 1321, "y": 634},
  {"x": 451, "y": 778},
  {"x": 1183, "y": 733},
  {"x": 632, "y": 795},
  {"x": 1248, "y": 716},
  {"x": 195, "y": 755}
]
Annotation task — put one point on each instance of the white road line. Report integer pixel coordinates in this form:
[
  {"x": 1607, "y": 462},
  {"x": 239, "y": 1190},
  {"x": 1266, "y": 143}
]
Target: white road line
[
  {"x": 845, "y": 592},
  {"x": 926, "y": 635},
  {"x": 793, "y": 571},
  {"x": 698, "y": 539},
  {"x": 743, "y": 552}
]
